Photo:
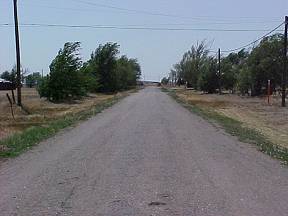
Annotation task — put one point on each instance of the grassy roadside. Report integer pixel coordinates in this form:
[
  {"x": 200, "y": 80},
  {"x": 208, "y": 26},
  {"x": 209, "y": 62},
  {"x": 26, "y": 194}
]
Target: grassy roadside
[
  {"x": 235, "y": 128},
  {"x": 21, "y": 142}
]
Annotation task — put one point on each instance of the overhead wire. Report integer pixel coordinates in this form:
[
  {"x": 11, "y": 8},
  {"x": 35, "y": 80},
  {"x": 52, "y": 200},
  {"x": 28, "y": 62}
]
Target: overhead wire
[
  {"x": 208, "y": 22},
  {"x": 134, "y": 27},
  {"x": 132, "y": 10},
  {"x": 255, "y": 41},
  {"x": 153, "y": 13},
  {"x": 137, "y": 27}
]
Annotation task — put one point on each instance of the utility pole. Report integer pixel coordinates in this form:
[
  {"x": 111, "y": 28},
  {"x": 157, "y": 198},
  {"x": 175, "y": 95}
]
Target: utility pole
[
  {"x": 284, "y": 75},
  {"x": 219, "y": 70},
  {"x": 18, "y": 62}
]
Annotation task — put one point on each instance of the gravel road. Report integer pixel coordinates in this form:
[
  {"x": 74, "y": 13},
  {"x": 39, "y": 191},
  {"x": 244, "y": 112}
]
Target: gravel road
[{"x": 147, "y": 156}]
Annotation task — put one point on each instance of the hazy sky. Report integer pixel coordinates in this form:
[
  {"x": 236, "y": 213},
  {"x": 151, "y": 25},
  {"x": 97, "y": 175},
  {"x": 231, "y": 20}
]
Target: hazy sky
[{"x": 156, "y": 51}]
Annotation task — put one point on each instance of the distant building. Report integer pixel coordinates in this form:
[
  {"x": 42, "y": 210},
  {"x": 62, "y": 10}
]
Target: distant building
[{"x": 151, "y": 83}]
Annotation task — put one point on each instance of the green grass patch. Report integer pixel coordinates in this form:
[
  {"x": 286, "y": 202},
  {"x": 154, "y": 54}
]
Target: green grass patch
[
  {"x": 21, "y": 142},
  {"x": 235, "y": 128}
]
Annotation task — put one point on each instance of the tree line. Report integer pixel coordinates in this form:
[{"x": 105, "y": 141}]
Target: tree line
[
  {"x": 71, "y": 78},
  {"x": 245, "y": 71}
]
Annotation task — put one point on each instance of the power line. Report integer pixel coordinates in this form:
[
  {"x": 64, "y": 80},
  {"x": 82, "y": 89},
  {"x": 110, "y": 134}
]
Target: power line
[
  {"x": 153, "y": 13},
  {"x": 199, "y": 19},
  {"x": 123, "y": 27},
  {"x": 94, "y": 3},
  {"x": 255, "y": 41},
  {"x": 132, "y": 10}
]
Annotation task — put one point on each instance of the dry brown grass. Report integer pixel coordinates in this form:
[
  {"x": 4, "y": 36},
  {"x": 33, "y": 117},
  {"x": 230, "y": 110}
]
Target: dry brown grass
[
  {"x": 40, "y": 110},
  {"x": 254, "y": 113}
]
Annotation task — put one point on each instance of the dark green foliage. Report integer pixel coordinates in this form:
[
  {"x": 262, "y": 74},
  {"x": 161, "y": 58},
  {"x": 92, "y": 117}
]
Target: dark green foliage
[
  {"x": 6, "y": 75},
  {"x": 231, "y": 67},
  {"x": 128, "y": 72},
  {"x": 9, "y": 76},
  {"x": 104, "y": 72},
  {"x": 90, "y": 76},
  {"x": 244, "y": 81},
  {"x": 108, "y": 73},
  {"x": 43, "y": 87},
  {"x": 242, "y": 71},
  {"x": 65, "y": 80},
  {"x": 33, "y": 79},
  {"x": 165, "y": 81},
  {"x": 251, "y": 71},
  {"x": 208, "y": 78},
  {"x": 265, "y": 63},
  {"x": 103, "y": 65},
  {"x": 191, "y": 65},
  {"x": 196, "y": 69}
]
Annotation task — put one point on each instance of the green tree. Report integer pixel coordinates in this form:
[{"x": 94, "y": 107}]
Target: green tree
[
  {"x": 165, "y": 81},
  {"x": 190, "y": 67},
  {"x": 128, "y": 72},
  {"x": 230, "y": 68},
  {"x": 90, "y": 76},
  {"x": 103, "y": 65},
  {"x": 208, "y": 79},
  {"x": 33, "y": 79},
  {"x": 265, "y": 63},
  {"x": 179, "y": 71},
  {"x": 43, "y": 87},
  {"x": 244, "y": 81},
  {"x": 136, "y": 71},
  {"x": 9, "y": 76},
  {"x": 6, "y": 76},
  {"x": 65, "y": 80}
]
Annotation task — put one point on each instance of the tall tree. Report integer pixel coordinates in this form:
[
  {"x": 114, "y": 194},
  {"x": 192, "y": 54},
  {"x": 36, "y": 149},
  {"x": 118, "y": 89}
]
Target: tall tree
[
  {"x": 231, "y": 67},
  {"x": 103, "y": 64},
  {"x": 10, "y": 76},
  {"x": 128, "y": 72},
  {"x": 265, "y": 63},
  {"x": 6, "y": 76},
  {"x": 64, "y": 80},
  {"x": 208, "y": 79},
  {"x": 33, "y": 79},
  {"x": 190, "y": 67}
]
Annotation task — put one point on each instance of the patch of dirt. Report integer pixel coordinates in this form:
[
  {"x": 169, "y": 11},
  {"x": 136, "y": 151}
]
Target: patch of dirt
[
  {"x": 40, "y": 110},
  {"x": 270, "y": 120}
]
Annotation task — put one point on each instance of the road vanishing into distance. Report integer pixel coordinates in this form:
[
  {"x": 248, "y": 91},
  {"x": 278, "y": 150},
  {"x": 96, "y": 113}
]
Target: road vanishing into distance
[{"x": 145, "y": 156}]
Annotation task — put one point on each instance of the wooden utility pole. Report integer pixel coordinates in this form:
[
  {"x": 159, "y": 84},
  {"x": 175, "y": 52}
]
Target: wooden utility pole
[
  {"x": 219, "y": 71},
  {"x": 18, "y": 61},
  {"x": 284, "y": 75}
]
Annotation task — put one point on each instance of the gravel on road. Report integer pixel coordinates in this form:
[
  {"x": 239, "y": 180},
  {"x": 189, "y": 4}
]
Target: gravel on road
[{"x": 145, "y": 156}]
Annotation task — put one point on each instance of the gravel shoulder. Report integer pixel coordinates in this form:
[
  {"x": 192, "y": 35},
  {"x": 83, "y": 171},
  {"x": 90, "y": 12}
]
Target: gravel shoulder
[{"x": 269, "y": 120}]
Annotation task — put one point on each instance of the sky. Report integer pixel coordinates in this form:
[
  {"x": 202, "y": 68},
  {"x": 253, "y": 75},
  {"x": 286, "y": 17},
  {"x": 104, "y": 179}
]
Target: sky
[{"x": 156, "y": 50}]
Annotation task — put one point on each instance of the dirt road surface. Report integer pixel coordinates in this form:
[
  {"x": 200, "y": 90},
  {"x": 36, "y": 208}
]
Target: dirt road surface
[{"x": 147, "y": 155}]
